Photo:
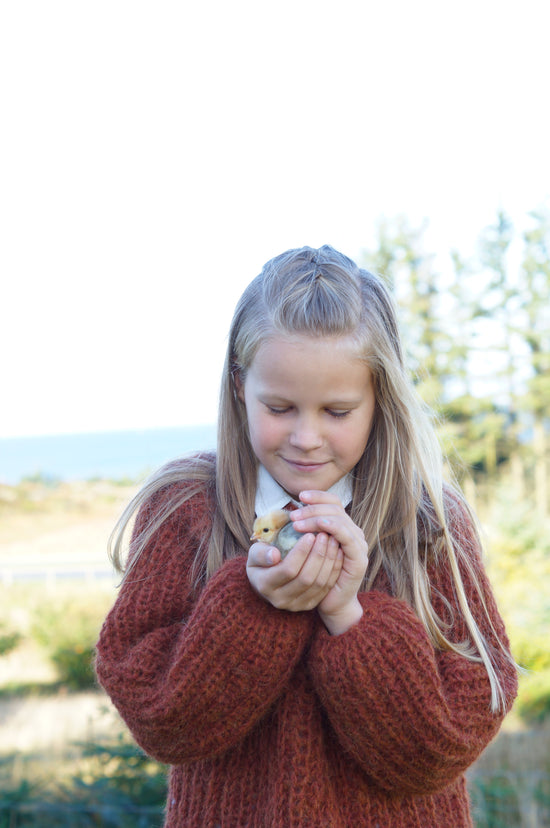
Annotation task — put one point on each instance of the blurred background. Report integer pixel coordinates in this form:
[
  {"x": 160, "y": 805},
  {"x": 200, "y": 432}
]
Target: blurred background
[{"x": 152, "y": 158}]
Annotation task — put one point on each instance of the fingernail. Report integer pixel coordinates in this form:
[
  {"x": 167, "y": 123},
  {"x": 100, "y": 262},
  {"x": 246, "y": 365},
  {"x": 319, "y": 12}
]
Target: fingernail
[{"x": 269, "y": 555}]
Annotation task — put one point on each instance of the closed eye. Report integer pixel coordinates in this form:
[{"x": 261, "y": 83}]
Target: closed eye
[
  {"x": 273, "y": 410},
  {"x": 332, "y": 412}
]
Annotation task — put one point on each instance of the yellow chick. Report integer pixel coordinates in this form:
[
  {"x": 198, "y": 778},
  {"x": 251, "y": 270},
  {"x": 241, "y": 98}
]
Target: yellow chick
[{"x": 276, "y": 529}]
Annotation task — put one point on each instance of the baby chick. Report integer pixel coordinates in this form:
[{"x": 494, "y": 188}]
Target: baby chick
[{"x": 276, "y": 529}]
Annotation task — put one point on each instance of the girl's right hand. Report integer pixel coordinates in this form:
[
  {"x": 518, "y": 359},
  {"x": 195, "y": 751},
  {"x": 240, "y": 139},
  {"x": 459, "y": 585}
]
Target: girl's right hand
[{"x": 302, "y": 579}]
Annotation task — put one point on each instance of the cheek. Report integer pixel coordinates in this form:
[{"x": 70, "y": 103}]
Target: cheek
[
  {"x": 265, "y": 433},
  {"x": 353, "y": 443}
]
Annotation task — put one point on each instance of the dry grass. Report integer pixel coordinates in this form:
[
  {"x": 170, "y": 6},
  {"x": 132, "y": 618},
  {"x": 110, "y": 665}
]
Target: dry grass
[{"x": 32, "y": 509}]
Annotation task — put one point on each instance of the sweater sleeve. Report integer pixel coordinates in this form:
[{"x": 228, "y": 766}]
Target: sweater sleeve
[
  {"x": 192, "y": 675},
  {"x": 412, "y": 717}
]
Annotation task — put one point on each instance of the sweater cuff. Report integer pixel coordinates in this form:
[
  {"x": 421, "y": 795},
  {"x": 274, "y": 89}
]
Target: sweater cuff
[{"x": 229, "y": 589}]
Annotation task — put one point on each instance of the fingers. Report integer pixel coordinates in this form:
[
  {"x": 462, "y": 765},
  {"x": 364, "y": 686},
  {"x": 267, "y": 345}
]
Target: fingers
[
  {"x": 333, "y": 562},
  {"x": 302, "y": 579},
  {"x": 326, "y": 566},
  {"x": 265, "y": 576},
  {"x": 316, "y": 577},
  {"x": 262, "y": 555},
  {"x": 316, "y": 496},
  {"x": 316, "y": 570},
  {"x": 322, "y": 512},
  {"x": 332, "y": 519}
]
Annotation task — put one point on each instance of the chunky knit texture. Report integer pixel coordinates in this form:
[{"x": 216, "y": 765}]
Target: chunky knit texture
[{"x": 270, "y": 722}]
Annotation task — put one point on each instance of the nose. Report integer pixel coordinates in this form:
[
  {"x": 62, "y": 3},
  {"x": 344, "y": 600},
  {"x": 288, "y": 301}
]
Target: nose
[{"x": 306, "y": 435}]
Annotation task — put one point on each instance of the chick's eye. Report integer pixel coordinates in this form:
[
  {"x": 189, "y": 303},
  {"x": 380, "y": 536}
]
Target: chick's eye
[{"x": 265, "y": 529}]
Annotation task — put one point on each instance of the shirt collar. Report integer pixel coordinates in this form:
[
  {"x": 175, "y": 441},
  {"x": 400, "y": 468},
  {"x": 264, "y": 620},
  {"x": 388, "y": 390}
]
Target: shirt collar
[{"x": 270, "y": 495}]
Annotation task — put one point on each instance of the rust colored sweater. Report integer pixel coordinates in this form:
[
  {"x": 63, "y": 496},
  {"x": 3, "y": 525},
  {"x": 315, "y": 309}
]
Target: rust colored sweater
[{"x": 270, "y": 722}]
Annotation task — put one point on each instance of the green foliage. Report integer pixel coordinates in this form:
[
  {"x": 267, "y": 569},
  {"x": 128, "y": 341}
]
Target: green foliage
[
  {"x": 15, "y": 794},
  {"x": 494, "y": 801},
  {"x": 478, "y": 342},
  {"x": 8, "y": 640},
  {"x": 117, "y": 786},
  {"x": 509, "y": 798},
  {"x": 519, "y": 566},
  {"x": 533, "y": 704},
  {"x": 122, "y": 773},
  {"x": 68, "y": 631},
  {"x": 74, "y": 666},
  {"x": 473, "y": 435}
]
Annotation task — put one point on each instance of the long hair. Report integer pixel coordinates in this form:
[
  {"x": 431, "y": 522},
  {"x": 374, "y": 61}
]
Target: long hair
[{"x": 398, "y": 483}]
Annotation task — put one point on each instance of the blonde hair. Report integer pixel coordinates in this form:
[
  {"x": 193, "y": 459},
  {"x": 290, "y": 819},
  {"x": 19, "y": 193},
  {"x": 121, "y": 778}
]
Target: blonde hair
[{"x": 398, "y": 496}]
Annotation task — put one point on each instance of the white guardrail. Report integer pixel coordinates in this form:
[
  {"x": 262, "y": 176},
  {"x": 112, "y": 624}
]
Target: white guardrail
[{"x": 52, "y": 572}]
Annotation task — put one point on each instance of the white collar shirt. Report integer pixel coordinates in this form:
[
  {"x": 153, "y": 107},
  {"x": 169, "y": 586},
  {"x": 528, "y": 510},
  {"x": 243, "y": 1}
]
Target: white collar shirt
[{"x": 270, "y": 495}]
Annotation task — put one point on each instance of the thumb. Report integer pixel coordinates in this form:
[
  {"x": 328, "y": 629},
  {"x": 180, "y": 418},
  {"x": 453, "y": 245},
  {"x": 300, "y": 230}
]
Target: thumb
[{"x": 260, "y": 554}]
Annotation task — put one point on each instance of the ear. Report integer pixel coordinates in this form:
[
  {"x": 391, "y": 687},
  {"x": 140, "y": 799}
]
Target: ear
[{"x": 238, "y": 383}]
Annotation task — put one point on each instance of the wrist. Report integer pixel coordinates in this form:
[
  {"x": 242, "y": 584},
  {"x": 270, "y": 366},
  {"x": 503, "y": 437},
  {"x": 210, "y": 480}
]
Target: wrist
[{"x": 341, "y": 621}]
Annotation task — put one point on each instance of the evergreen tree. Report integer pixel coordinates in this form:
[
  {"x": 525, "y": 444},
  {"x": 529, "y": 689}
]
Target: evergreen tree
[
  {"x": 535, "y": 304},
  {"x": 478, "y": 343},
  {"x": 400, "y": 259}
]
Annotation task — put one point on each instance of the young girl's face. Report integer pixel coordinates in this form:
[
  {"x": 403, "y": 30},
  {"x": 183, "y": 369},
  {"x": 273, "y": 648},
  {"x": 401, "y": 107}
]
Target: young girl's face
[{"x": 310, "y": 405}]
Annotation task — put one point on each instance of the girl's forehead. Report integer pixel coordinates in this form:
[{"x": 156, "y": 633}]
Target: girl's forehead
[{"x": 303, "y": 360}]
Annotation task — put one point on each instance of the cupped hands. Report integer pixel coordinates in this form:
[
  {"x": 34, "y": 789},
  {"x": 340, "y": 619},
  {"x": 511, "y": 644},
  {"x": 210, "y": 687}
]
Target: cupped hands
[{"x": 325, "y": 568}]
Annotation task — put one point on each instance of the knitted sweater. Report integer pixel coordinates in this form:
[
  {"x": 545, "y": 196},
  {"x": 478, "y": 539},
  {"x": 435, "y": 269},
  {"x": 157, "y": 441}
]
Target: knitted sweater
[{"x": 270, "y": 722}]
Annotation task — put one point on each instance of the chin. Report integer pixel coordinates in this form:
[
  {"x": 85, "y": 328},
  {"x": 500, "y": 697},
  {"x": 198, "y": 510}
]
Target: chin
[{"x": 305, "y": 482}]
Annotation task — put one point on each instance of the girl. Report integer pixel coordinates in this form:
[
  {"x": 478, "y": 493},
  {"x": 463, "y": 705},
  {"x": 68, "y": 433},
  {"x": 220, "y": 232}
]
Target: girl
[{"x": 354, "y": 681}]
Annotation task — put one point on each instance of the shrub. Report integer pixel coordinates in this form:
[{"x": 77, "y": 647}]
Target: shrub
[
  {"x": 510, "y": 797},
  {"x": 120, "y": 772},
  {"x": 68, "y": 631},
  {"x": 533, "y": 703},
  {"x": 494, "y": 801},
  {"x": 74, "y": 666},
  {"x": 116, "y": 786},
  {"x": 519, "y": 567},
  {"x": 8, "y": 640}
]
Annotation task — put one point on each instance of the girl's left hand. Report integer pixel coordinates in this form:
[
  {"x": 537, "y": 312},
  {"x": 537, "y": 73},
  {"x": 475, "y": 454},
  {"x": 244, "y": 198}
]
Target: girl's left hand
[{"x": 323, "y": 512}]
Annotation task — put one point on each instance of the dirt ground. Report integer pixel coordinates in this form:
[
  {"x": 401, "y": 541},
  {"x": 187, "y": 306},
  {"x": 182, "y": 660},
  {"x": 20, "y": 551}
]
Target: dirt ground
[{"x": 52, "y": 723}]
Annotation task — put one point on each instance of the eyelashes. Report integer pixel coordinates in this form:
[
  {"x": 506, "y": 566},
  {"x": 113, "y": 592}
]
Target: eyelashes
[{"x": 338, "y": 415}]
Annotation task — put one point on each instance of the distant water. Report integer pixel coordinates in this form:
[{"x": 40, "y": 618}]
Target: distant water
[{"x": 113, "y": 454}]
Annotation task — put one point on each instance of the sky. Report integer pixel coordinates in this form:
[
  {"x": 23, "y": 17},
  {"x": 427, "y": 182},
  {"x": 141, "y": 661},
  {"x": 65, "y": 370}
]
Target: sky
[{"x": 153, "y": 156}]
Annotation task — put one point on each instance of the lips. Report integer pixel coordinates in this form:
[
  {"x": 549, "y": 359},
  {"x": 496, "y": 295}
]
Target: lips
[{"x": 305, "y": 466}]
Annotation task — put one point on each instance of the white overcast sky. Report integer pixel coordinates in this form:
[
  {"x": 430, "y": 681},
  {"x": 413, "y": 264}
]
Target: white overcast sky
[{"x": 154, "y": 155}]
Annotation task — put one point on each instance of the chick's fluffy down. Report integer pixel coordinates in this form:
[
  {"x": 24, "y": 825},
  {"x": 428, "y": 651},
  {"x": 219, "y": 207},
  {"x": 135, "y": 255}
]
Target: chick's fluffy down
[{"x": 276, "y": 529}]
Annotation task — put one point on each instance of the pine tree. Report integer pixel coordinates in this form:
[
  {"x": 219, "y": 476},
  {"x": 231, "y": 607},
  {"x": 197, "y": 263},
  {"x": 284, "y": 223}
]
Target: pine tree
[
  {"x": 400, "y": 259},
  {"x": 535, "y": 304}
]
